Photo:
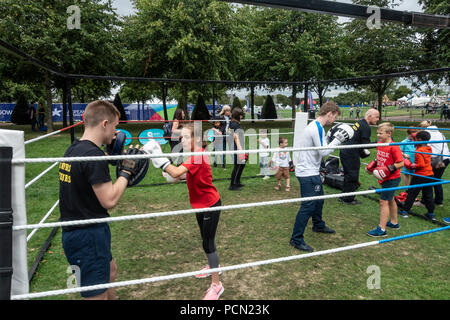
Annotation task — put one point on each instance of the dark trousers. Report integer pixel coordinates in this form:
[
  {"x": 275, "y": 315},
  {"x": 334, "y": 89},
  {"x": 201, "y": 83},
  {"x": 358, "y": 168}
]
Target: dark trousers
[
  {"x": 438, "y": 192},
  {"x": 33, "y": 124},
  {"x": 207, "y": 222},
  {"x": 350, "y": 163},
  {"x": 309, "y": 187},
  {"x": 427, "y": 194},
  {"x": 237, "y": 172}
]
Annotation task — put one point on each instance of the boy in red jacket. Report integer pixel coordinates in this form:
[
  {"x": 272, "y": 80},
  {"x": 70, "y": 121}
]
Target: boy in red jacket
[
  {"x": 386, "y": 169},
  {"x": 422, "y": 167}
]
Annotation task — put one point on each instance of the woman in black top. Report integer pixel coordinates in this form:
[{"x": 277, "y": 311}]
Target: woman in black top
[{"x": 236, "y": 142}]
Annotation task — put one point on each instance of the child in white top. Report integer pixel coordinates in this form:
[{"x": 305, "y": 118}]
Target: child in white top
[
  {"x": 281, "y": 160},
  {"x": 264, "y": 144}
]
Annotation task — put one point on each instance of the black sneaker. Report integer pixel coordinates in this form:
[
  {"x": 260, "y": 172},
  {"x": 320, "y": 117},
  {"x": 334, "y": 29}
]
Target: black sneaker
[
  {"x": 323, "y": 230},
  {"x": 303, "y": 246},
  {"x": 234, "y": 188},
  {"x": 430, "y": 216}
]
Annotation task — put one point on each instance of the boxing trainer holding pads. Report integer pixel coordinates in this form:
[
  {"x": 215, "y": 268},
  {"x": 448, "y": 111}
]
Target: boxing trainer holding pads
[
  {"x": 350, "y": 158},
  {"x": 307, "y": 171},
  {"x": 87, "y": 192}
]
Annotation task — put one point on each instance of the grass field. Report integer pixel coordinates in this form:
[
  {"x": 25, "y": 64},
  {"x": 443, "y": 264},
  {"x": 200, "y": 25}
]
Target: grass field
[{"x": 413, "y": 268}]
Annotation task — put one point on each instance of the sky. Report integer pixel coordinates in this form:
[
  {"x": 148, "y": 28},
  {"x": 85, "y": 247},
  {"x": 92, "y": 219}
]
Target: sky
[{"x": 124, "y": 7}]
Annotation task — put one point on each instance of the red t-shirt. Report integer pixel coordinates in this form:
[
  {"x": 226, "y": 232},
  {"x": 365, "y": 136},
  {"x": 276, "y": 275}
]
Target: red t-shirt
[
  {"x": 389, "y": 155},
  {"x": 202, "y": 193}
]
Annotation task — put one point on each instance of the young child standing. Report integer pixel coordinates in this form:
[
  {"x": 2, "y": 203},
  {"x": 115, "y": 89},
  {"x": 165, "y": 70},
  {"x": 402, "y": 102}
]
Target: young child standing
[
  {"x": 264, "y": 144},
  {"x": 202, "y": 194},
  {"x": 386, "y": 169},
  {"x": 423, "y": 171},
  {"x": 218, "y": 141},
  {"x": 408, "y": 152},
  {"x": 281, "y": 160}
]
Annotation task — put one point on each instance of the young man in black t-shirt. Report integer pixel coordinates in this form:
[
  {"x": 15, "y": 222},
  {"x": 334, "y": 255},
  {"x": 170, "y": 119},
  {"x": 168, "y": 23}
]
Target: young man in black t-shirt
[
  {"x": 87, "y": 192},
  {"x": 350, "y": 158}
]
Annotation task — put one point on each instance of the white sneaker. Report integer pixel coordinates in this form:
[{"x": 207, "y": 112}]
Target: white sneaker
[{"x": 266, "y": 177}]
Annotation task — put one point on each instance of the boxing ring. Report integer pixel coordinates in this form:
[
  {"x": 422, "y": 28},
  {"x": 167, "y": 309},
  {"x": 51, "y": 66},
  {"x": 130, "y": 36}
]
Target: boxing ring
[{"x": 17, "y": 161}]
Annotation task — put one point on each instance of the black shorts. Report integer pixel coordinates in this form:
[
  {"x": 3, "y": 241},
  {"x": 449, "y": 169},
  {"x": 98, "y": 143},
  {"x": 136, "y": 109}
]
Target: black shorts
[{"x": 88, "y": 251}]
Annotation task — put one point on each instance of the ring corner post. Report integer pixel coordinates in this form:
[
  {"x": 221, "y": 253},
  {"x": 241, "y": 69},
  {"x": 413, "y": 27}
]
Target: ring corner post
[{"x": 6, "y": 223}]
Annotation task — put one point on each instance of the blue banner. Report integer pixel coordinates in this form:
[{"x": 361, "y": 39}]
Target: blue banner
[{"x": 133, "y": 111}]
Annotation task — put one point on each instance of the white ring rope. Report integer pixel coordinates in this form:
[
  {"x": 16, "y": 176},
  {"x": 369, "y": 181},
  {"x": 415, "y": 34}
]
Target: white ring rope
[
  {"x": 190, "y": 274},
  {"x": 40, "y": 175},
  {"x": 180, "y": 154},
  {"x": 43, "y": 220},
  {"x": 187, "y": 211}
]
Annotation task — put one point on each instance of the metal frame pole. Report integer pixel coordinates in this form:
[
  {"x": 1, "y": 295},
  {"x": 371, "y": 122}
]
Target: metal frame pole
[{"x": 6, "y": 223}]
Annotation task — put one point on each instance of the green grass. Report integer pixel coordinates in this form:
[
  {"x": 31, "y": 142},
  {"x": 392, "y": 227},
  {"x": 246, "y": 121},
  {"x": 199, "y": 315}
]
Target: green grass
[{"x": 413, "y": 268}]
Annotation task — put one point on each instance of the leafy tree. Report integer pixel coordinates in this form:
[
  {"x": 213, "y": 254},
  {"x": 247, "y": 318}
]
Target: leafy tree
[
  {"x": 236, "y": 103},
  {"x": 20, "y": 112},
  {"x": 40, "y": 29},
  {"x": 200, "y": 111},
  {"x": 390, "y": 49},
  {"x": 435, "y": 43},
  {"x": 118, "y": 103},
  {"x": 269, "y": 111},
  {"x": 181, "y": 39},
  {"x": 401, "y": 92}
]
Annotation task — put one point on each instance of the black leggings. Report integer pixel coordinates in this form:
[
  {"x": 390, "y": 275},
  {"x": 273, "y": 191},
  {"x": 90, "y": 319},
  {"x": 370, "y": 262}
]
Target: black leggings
[{"x": 208, "y": 221}]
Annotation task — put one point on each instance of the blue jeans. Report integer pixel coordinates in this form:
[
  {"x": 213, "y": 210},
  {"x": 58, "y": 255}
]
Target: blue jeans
[{"x": 309, "y": 187}]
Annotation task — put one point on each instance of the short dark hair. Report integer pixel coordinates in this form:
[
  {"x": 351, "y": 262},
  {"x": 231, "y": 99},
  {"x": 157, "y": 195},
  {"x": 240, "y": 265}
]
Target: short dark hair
[
  {"x": 423, "y": 136},
  {"x": 99, "y": 110}
]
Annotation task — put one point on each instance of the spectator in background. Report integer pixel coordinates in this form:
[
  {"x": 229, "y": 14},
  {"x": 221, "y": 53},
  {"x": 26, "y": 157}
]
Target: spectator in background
[
  {"x": 225, "y": 117},
  {"x": 438, "y": 163},
  {"x": 41, "y": 115},
  {"x": 237, "y": 142},
  {"x": 177, "y": 124},
  {"x": 358, "y": 110},
  {"x": 32, "y": 114}
]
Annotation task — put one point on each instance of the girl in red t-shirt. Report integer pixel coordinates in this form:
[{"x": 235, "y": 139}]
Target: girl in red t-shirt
[{"x": 202, "y": 194}]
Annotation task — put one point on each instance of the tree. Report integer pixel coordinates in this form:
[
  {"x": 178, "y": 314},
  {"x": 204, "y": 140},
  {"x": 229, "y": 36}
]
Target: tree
[
  {"x": 401, "y": 91},
  {"x": 236, "y": 103},
  {"x": 269, "y": 111},
  {"x": 390, "y": 49},
  {"x": 20, "y": 113},
  {"x": 200, "y": 111},
  {"x": 181, "y": 39},
  {"x": 435, "y": 43},
  {"x": 40, "y": 29},
  {"x": 118, "y": 103}
]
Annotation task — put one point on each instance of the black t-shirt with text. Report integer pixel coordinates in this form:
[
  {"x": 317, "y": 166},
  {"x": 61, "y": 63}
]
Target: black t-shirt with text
[{"x": 77, "y": 200}]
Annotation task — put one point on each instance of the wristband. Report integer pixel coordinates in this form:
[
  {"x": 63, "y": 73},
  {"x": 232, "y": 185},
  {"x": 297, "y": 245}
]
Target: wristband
[{"x": 124, "y": 174}]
